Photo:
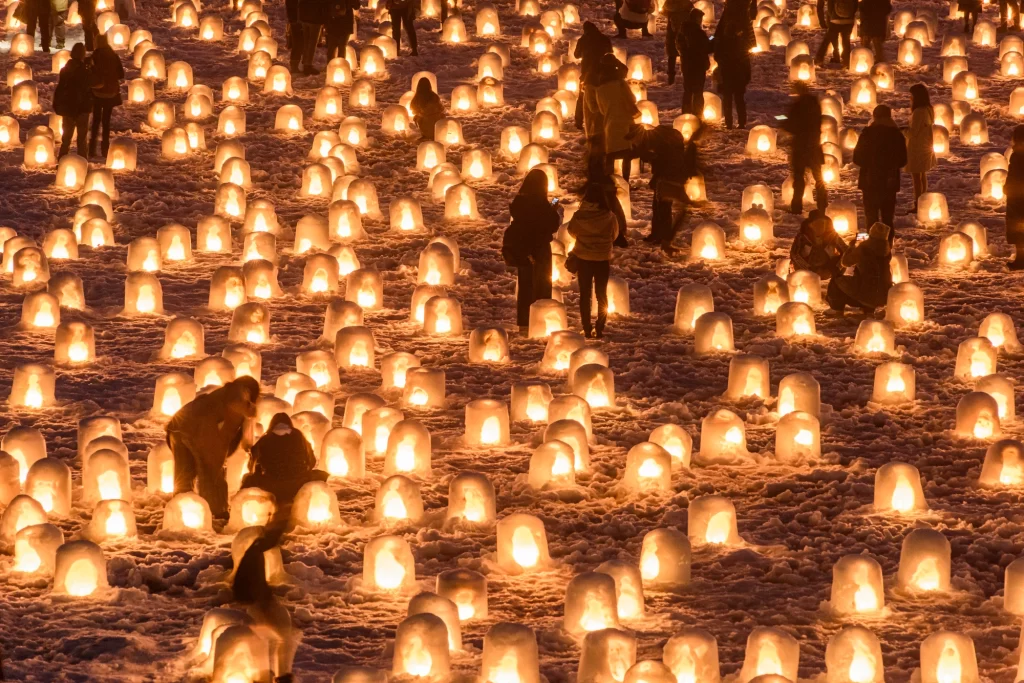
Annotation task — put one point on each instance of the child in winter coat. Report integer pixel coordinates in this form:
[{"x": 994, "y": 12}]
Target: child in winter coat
[
  {"x": 427, "y": 109},
  {"x": 817, "y": 247},
  {"x": 595, "y": 228},
  {"x": 282, "y": 461}
]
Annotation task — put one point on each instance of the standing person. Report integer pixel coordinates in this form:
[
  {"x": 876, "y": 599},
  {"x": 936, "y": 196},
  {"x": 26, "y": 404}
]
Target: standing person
[
  {"x": 842, "y": 15},
  {"x": 340, "y": 21},
  {"x": 734, "y": 37},
  {"x": 881, "y": 152},
  {"x": 72, "y": 100},
  {"x": 868, "y": 287},
  {"x": 595, "y": 228},
  {"x": 673, "y": 161},
  {"x": 39, "y": 15},
  {"x": 874, "y": 25},
  {"x": 696, "y": 46},
  {"x": 294, "y": 36},
  {"x": 58, "y": 17},
  {"x": 970, "y": 9},
  {"x": 676, "y": 12},
  {"x": 632, "y": 14},
  {"x": 108, "y": 72},
  {"x": 526, "y": 245},
  {"x": 313, "y": 16},
  {"x": 803, "y": 123},
  {"x": 1014, "y": 190},
  {"x": 920, "y": 145},
  {"x": 820, "y": 10},
  {"x": 590, "y": 47},
  {"x": 598, "y": 178},
  {"x": 618, "y": 110},
  {"x": 87, "y": 10},
  {"x": 426, "y": 107},
  {"x": 1006, "y": 8},
  {"x": 403, "y": 12}
]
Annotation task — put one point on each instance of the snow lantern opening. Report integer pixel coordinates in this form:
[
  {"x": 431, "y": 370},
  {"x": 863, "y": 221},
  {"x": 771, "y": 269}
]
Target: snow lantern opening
[
  {"x": 712, "y": 520},
  {"x": 898, "y": 489},
  {"x": 33, "y": 387},
  {"x": 924, "y": 562},
  {"x": 857, "y": 586},
  {"x": 977, "y": 416},
  {"x": 80, "y": 569}
]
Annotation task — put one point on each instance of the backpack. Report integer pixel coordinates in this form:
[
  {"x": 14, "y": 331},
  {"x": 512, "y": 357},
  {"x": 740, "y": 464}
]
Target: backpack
[
  {"x": 845, "y": 9},
  {"x": 511, "y": 252}
]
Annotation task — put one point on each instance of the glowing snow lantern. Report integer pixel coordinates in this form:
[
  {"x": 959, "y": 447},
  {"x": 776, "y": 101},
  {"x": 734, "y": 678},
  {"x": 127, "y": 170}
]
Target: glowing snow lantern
[
  {"x": 712, "y": 520},
  {"x": 80, "y": 570},
  {"x": 476, "y": 165},
  {"x": 112, "y": 520},
  {"x": 905, "y": 304},
  {"x": 408, "y": 450},
  {"x": 24, "y": 98},
  {"x": 546, "y": 316},
  {"x": 794, "y": 319},
  {"x": 10, "y": 133},
  {"x": 388, "y": 566},
  {"x": 393, "y": 369},
  {"x": 513, "y": 140},
  {"x": 398, "y": 500},
  {"x": 365, "y": 287},
  {"x": 909, "y": 52},
  {"x": 531, "y": 156},
  {"x": 595, "y": 384},
  {"x": 770, "y": 293},
  {"x": 755, "y": 226},
  {"x": 999, "y": 329},
  {"x": 552, "y": 465},
  {"x": 175, "y": 243},
  {"x": 707, "y": 242},
  {"x": 289, "y": 119},
  {"x": 49, "y": 482},
  {"x": 487, "y": 22},
  {"x": 590, "y": 603},
  {"x": 363, "y": 95},
  {"x": 71, "y": 172},
  {"x": 354, "y": 348},
  {"x": 761, "y": 140},
  {"x": 992, "y": 184},
  {"x": 22, "y": 511},
  {"x": 857, "y": 586},
  {"x": 712, "y": 333},
  {"x": 545, "y": 128},
  {"x": 692, "y": 301},
  {"x": 977, "y": 416},
  {"x": 33, "y": 387},
  {"x": 973, "y": 131},
  {"x": 316, "y": 507},
  {"x": 211, "y": 29},
  {"x": 805, "y": 287},
  {"x": 19, "y": 73},
  {"x": 510, "y": 655},
  {"x": 606, "y": 655},
  {"x": 342, "y": 454},
  {"x": 40, "y": 310},
  {"x": 924, "y": 562},
  {"x": 183, "y": 338},
  {"x": 339, "y": 72},
  {"x": 530, "y": 401},
  {"x": 854, "y": 655},
  {"x": 1011, "y": 65},
  {"x": 35, "y": 549},
  {"x": 215, "y": 371},
  {"x": 898, "y": 489},
  {"x": 106, "y": 477},
  {"x": 487, "y": 423},
  {"x": 140, "y": 91},
  {"x": 250, "y": 323},
  {"x": 1013, "y": 588},
  {"x": 522, "y": 544},
  {"x": 67, "y": 287},
  {"x": 39, "y": 152},
  {"x": 421, "y": 648},
  {"x": 471, "y": 498},
  {"x": 648, "y": 468},
  {"x": 74, "y": 343},
  {"x": 278, "y": 81},
  {"x": 559, "y": 349},
  {"x": 948, "y": 657},
  {"x": 798, "y": 436},
  {"x": 975, "y": 358},
  {"x": 770, "y": 652},
  {"x": 748, "y": 376}
]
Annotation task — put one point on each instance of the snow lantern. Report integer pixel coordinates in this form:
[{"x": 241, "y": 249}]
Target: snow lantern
[
  {"x": 924, "y": 561},
  {"x": 442, "y": 608},
  {"x": 388, "y": 565},
  {"x": 362, "y": 95},
  {"x": 857, "y": 586},
  {"x": 453, "y": 30},
  {"x": 770, "y": 292},
  {"x": 278, "y": 81},
  {"x": 140, "y": 91},
  {"x": 365, "y": 287},
  {"x": 179, "y": 77},
  {"x": 290, "y": 384},
  {"x": 899, "y": 268},
  {"x": 973, "y": 130},
  {"x": 172, "y": 391},
  {"x": 398, "y": 499},
  {"x": 522, "y": 544},
  {"x": 394, "y": 368},
  {"x": 712, "y": 519},
  {"x": 861, "y": 60},
  {"x": 316, "y": 507},
  {"x": 476, "y": 165},
  {"x": 471, "y": 498},
  {"x": 712, "y": 333},
  {"x": 229, "y": 201},
  {"x": 22, "y": 44},
  {"x": 339, "y": 72},
  {"x": 875, "y": 336},
  {"x": 354, "y": 348},
  {"x": 606, "y": 655},
  {"x": 884, "y": 77},
  {"x": 488, "y": 345},
  {"x": 531, "y": 156},
  {"x": 67, "y": 287},
  {"x": 49, "y": 482},
  {"x": 486, "y": 422},
  {"x": 595, "y": 384},
  {"x": 39, "y": 152},
  {"x": 260, "y": 275},
  {"x": 187, "y": 512},
  {"x": 340, "y": 314},
  {"x": 755, "y": 226},
  {"x": 464, "y": 99},
  {"x": 40, "y": 310},
  {"x": 317, "y": 181},
  {"x": 160, "y": 115},
  {"x": 794, "y": 319},
  {"x": 408, "y": 450},
  {"x": 707, "y": 242},
  {"x": 863, "y": 93},
  {"x": 74, "y": 342},
  {"x": 328, "y": 106},
  {"x": 748, "y": 376},
  {"x": 560, "y": 347},
  {"x": 406, "y": 217},
  {"x": 590, "y": 603},
  {"x": 22, "y": 511},
  {"x": 289, "y": 119},
  {"x": 1011, "y": 65},
  {"x": 460, "y": 203},
  {"x": 1003, "y": 466},
  {"x": 429, "y": 154},
  {"x": 898, "y": 489},
  {"x": 552, "y": 465},
  {"x": 106, "y": 477},
  {"x": 33, "y": 387},
  {"x": 320, "y": 274},
  {"x": 421, "y": 648},
  {"x": 112, "y": 520},
  {"x": 676, "y": 441},
  {"x": 71, "y": 171},
  {"x": 175, "y": 243},
  {"x": 239, "y": 654},
  {"x": 993, "y": 182},
  {"x": 954, "y": 46},
  {"x": 514, "y": 139},
  {"x": 35, "y": 549},
  {"x": 692, "y": 301},
  {"x": 24, "y": 98},
  {"x": 770, "y": 652},
  {"x": 352, "y": 132},
  {"x": 364, "y": 195},
  {"x": 250, "y": 323},
  {"x": 183, "y": 338},
  {"x": 231, "y": 121},
  {"x": 723, "y": 434},
  {"x": 665, "y": 558},
  {"x": 999, "y": 329},
  {"x": 854, "y": 655},
  {"x": 215, "y": 371},
  {"x": 798, "y": 435},
  {"x": 357, "y": 406},
  {"x": 977, "y": 415},
  {"x": 905, "y": 304},
  {"x": 909, "y": 52},
  {"x": 10, "y": 132},
  {"x": 468, "y": 590},
  {"x": 648, "y": 468},
  {"x": 761, "y": 140},
  {"x": 80, "y": 570},
  {"x": 804, "y": 287},
  {"x": 320, "y": 366},
  {"x": 247, "y": 361},
  {"x": 487, "y": 22},
  {"x": 344, "y": 221},
  {"x": 546, "y": 316},
  {"x": 211, "y": 29},
  {"x": 510, "y": 655},
  {"x": 1013, "y": 587},
  {"x": 975, "y": 358},
  {"x": 342, "y": 455},
  {"x": 948, "y": 657}
]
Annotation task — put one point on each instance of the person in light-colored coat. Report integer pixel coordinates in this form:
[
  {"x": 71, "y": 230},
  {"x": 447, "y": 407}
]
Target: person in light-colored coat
[
  {"x": 920, "y": 145},
  {"x": 617, "y": 108},
  {"x": 595, "y": 228}
]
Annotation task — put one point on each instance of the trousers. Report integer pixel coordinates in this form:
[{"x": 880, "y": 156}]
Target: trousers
[{"x": 593, "y": 276}]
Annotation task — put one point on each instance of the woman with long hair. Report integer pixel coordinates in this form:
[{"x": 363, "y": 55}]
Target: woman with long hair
[
  {"x": 526, "y": 245},
  {"x": 920, "y": 146},
  {"x": 426, "y": 108}
]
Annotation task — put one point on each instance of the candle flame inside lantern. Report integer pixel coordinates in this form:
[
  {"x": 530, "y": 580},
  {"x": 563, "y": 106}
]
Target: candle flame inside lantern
[
  {"x": 319, "y": 510},
  {"x": 909, "y": 312},
  {"x": 752, "y": 232},
  {"x": 359, "y": 356},
  {"x": 506, "y": 671},
  {"x": 903, "y": 495},
  {"x": 33, "y": 393},
  {"x": 418, "y": 661},
  {"x": 895, "y": 383},
  {"x": 366, "y": 299},
  {"x": 171, "y": 402},
  {"x": 184, "y": 346},
  {"x": 926, "y": 576},
  {"x": 949, "y": 669},
  {"x": 718, "y": 528},
  {"x": 26, "y": 559},
  {"x": 394, "y": 506},
  {"x": 490, "y": 431},
  {"x": 405, "y": 456},
  {"x": 44, "y": 316},
  {"x": 82, "y": 579},
  {"x": 862, "y": 664},
  {"x": 116, "y": 524},
  {"x": 388, "y": 571},
  {"x": 983, "y": 426},
  {"x": 167, "y": 477},
  {"x": 524, "y": 548},
  {"x": 865, "y": 599},
  {"x": 418, "y": 397},
  {"x": 980, "y": 364}
]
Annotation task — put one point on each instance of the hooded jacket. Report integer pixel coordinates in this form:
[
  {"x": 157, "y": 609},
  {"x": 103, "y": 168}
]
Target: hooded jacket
[
  {"x": 872, "y": 277},
  {"x": 591, "y": 46},
  {"x": 595, "y": 229},
  {"x": 534, "y": 221}
]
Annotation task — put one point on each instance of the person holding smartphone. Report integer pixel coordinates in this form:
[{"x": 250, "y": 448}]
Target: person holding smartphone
[{"x": 868, "y": 287}]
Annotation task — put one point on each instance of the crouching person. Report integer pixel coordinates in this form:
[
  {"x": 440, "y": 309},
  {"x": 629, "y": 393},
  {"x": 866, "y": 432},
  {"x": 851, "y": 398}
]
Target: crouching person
[
  {"x": 204, "y": 433},
  {"x": 817, "y": 247},
  {"x": 868, "y": 287},
  {"x": 282, "y": 461}
]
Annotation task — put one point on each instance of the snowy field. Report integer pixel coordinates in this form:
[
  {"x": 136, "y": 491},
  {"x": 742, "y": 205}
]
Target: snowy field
[{"x": 796, "y": 518}]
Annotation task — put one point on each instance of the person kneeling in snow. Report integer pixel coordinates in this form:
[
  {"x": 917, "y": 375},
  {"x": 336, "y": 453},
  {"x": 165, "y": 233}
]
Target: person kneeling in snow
[
  {"x": 204, "y": 433},
  {"x": 282, "y": 461},
  {"x": 817, "y": 247},
  {"x": 868, "y": 287}
]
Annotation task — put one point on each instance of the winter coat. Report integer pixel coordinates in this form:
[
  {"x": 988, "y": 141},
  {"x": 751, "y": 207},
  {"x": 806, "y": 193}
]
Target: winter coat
[
  {"x": 595, "y": 229},
  {"x": 341, "y": 16},
  {"x": 426, "y": 115},
  {"x": 734, "y": 37},
  {"x": 73, "y": 95},
  {"x": 881, "y": 152},
  {"x": 920, "y": 145},
  {"x": 313, "y": 11},
  {"x": 694, "y": 46},
  {"x": 817, "y": 247},
  {"x": 803, "y": 122},
  {"x": 534, "y": 221},
  {"x": 842, "y": 12},
  {"x": 874, "y": 18},
  {"x": 617, "y": 107},
  {"x": 211, "y": 425},
  {"x": 281, "y": 462},
  {"x": 591, "y": 46},
  {"x": 108, "y": 72},
  {"x": 59, "y": 5},
  {"x": 872, "y": 277},
  {"x": 593, "y": 124},
  {"x": 1014, "y": 191},
  {"x": 291, "y": 10}
]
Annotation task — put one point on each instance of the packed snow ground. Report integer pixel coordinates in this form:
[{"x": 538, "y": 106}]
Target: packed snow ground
[{"x": 798, "y": 520}]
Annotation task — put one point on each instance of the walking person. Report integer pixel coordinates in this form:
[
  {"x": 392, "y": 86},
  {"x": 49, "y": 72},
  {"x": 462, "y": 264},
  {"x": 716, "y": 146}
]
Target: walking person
[
  {"x": 734, "y": 37},
  {"x": 1014, "y": 191},
  {"x": 595, "y": 228},
  {"x": 695, "y": 48},
  {"x": 842, "y": 15},
  {"x": 294, "y": 36},
  {"x": 632, "y": 14},
  {"x": 340, "y": 22},
  {"x": 590, "y": 47},
  {"x": 874, "y": 25},
  {"x": 970, "y": 9},
  {"x": 39, "y": 15},
  {"x": 72, "y": 100},
  {"x": 618, "y": 110},
  {"x": 676, "y": 12},
  {"x": 673, "y": 161},
  {"x": 312, "y": 16},
  {"x": 403, "y": 12},
  {"x": 803, "y": 123},
  {"x": 880, "y": 153},
  {"x": 526, "y": 245},
  {"x": 920, "y": 144},
  {"x": 820, "y": 10},
  {"x": 868, "y": 287},
  {"x": 426, "y": 108},
  {"x": 58, "y": 18},
  {"x": 107, "y": 72}
]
